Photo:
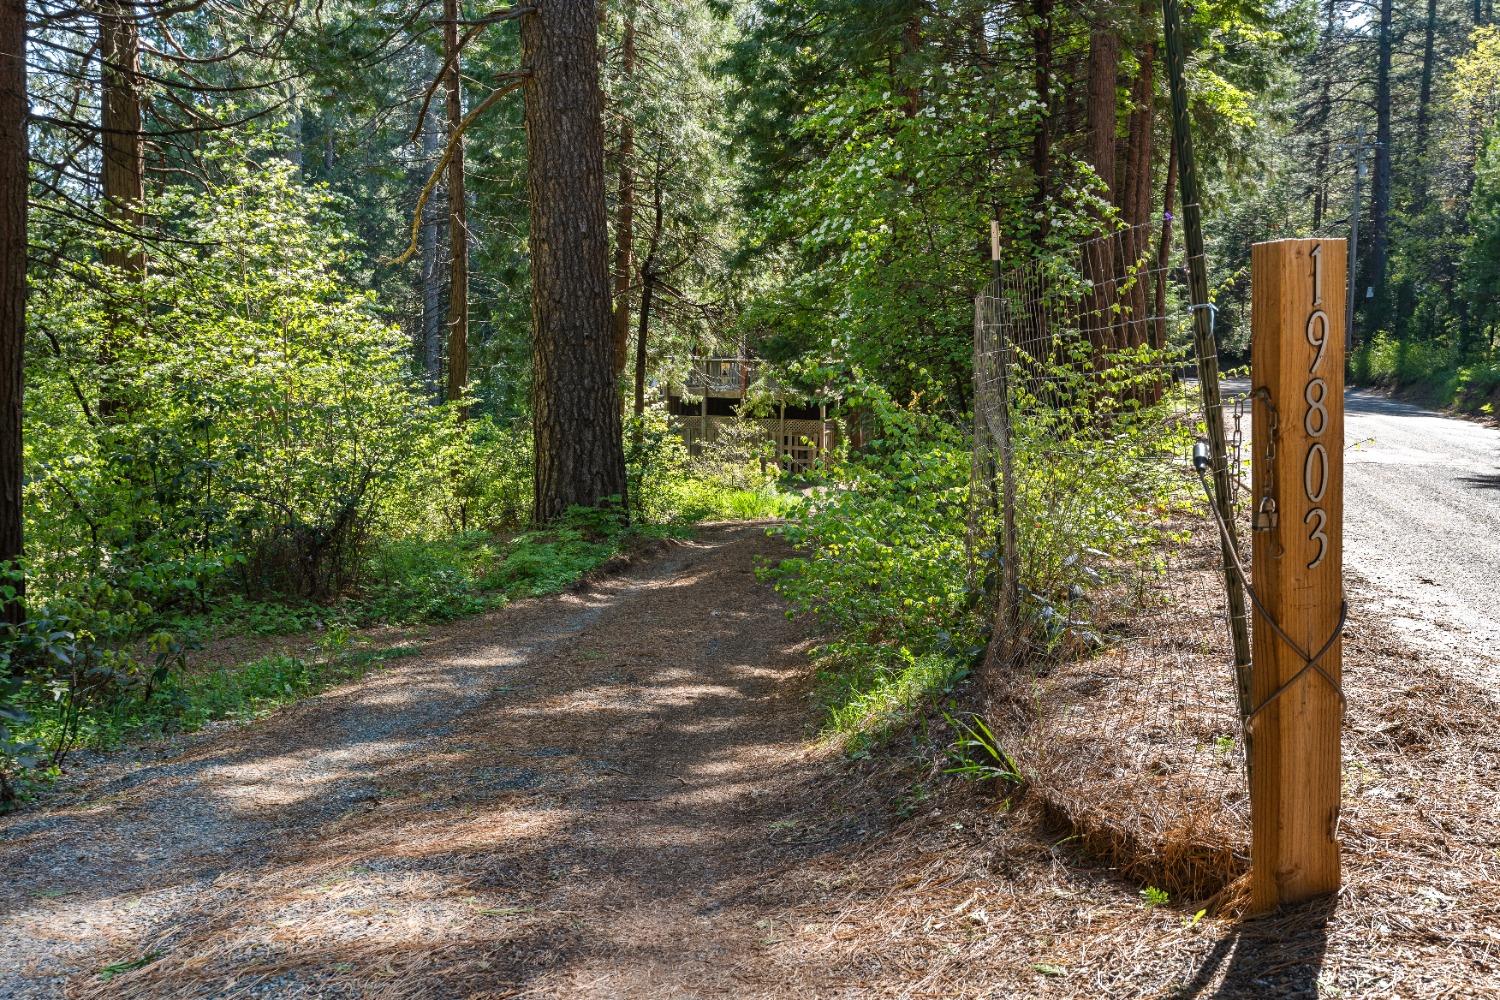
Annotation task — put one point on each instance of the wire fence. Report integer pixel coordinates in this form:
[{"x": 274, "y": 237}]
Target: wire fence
[{"x": 1111, "y": 678}]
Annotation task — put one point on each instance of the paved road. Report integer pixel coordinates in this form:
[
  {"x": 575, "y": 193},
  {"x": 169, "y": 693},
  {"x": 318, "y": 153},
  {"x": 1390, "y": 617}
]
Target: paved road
[{"x": 1422, "y": 523}]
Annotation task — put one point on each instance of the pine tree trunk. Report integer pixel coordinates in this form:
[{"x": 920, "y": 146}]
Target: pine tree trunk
[
  {"x": 1099, "y": 256},
  {"x": 434, "y": 310},
  {"x": 648, "y": 290},
  {"x": 1424, "y": 94},
  {"x": 579, "y": 458},
  {"x": 122, "y": 169},
  {"x": 1380, "y": 192},
  {"x": 458, "y": 226},
  {"x": 625, "y": 209},
  {"x": 1324, "y": 113},
  {"x": 123, "y": 156},
  {"x": 1103, "y": 70},
  {"x": 1135, "y": 196},
  {"x": 13, "y": 195},
  {"x": 1164, "y": 250}
]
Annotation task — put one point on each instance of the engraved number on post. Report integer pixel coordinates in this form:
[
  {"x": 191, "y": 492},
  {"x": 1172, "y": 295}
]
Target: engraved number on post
[{"x": 1316, "y": 394}]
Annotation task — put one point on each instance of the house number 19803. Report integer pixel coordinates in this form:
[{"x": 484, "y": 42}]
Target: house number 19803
[{"x": 1315, "y": 420}]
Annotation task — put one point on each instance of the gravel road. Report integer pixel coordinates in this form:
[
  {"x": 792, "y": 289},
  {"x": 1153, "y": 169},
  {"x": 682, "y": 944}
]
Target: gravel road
[{"x": 1422, "y": 523}]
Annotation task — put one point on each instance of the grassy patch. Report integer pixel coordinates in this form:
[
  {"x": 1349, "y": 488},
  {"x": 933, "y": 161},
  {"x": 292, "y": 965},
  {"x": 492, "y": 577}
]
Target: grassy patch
[
  {"x": 881, "y": 563},
  {"x": 186, "y": 702}
]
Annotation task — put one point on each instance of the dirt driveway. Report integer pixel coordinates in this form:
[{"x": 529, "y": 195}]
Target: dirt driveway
[{"x": 572, "y": 795}]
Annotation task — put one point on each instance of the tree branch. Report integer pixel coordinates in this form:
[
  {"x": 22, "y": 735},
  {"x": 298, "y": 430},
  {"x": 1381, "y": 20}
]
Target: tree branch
[{"x": 442, "y": 164}]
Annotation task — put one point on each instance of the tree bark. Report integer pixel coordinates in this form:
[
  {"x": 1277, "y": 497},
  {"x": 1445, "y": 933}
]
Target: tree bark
[
  {"x": 648, "y": 289},
  {"x": 1103, "y": 73},
  {"x": 13, "y": 199},
  {"x": 625, "y": 208},
  {"x": 1135, "y": 196},
  {"x": 122, "y": 171},
  {"x": 579, "y": 455},
  {"x": 458, "y": 226},
  {"x": 123, "y": 155},
  {"x": 1380, "y": 192},
  {"x": 1099, "y": 256},
  {"x": 1164, "y": 250},
  {"x": 1424, "y": 93},
  {"x": 434, "y": 310},
  {"x": 1325, "y": 111}
]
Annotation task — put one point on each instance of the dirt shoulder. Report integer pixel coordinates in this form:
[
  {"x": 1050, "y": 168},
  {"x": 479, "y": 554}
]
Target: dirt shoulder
[{"x": 616, "y": 793}]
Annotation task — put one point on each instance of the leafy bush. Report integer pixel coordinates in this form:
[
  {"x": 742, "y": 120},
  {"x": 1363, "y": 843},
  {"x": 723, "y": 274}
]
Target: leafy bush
[
  {"x": 883, "y": 561},
  {"x": 73, "y": 661},
  {"x": 466, "y": 475},
  {"x": 882, "y": 565},
  {"x": 729, "y": 480},
  {"x": 421, "y": 580},
  {"x": 1434, "y": 371},
  {"x": 241, "y": 410}
]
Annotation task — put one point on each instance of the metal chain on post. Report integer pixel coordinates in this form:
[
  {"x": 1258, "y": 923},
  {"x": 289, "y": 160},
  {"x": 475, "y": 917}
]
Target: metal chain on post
[{"x": 1207, "y": 350}]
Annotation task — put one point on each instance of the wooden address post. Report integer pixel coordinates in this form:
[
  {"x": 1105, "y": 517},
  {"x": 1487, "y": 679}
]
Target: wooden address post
[{"x": 1297, "y": 485}]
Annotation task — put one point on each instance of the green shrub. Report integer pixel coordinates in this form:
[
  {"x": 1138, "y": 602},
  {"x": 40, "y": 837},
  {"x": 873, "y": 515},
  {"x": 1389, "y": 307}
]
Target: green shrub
[
  {"x": 730, "y": 480},
  {"x": 882, "y": 556},
  {"x": 882, "y": 565},
  {"x": 241, "y": 412},
  {"x": 1432, "y": 371}
]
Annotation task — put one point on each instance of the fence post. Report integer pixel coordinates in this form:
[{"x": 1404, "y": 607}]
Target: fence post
[
  {"x": 1008, "y": 613},
  {"x": 1298, "y": 289},
  {"x": 1204, "y": 345}
]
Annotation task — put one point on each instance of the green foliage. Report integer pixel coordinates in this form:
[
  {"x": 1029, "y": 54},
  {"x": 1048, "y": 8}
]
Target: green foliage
[
  {"x": 1153, "y": 897},
  {"x": 242, "y": 412},
  {"x": 976, "y": 755},
  {"x": 883, "y": 561},
  {"x": 1435, "y": 372},
  {"x": 882, "y": 565},
  {"x": 1096, "y": 478},
  {"x": 461, "y": 476},
  {"x": 409, "y": 581},
  {"x": 730, "y": 480}
]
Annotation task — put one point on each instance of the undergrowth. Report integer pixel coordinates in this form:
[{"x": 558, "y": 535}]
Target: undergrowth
[
  {"x": 881, "y": 565},
  {"x": 1431, "y": 372},
  {"x": 883, "y": 561},
  {"x": 187, "y": 701}
]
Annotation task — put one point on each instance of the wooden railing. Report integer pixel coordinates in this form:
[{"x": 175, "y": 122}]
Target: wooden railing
[{"x": 721, "y": 376}]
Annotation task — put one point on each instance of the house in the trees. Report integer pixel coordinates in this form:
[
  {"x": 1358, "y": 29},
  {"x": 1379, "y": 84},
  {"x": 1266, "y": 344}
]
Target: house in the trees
[{"x": 716, "y": 395}]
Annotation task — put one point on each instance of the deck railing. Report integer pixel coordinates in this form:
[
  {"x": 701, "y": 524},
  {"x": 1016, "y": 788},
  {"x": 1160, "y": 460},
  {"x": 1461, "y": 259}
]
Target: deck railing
[{"x": 721, "y": 375}]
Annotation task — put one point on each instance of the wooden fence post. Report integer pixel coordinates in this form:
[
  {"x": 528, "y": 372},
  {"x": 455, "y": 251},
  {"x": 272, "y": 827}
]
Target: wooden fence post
[{"x": 1298, "y": 289}]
